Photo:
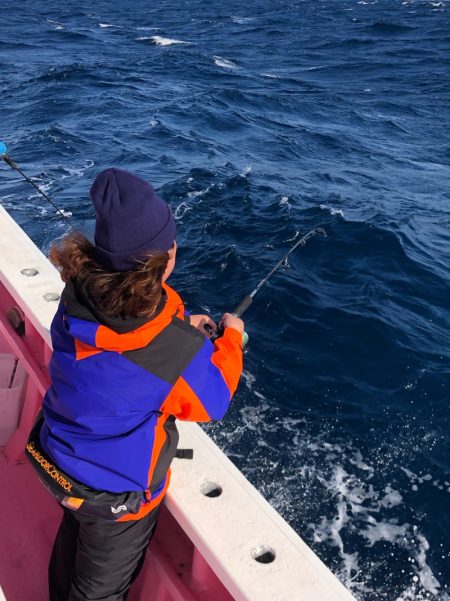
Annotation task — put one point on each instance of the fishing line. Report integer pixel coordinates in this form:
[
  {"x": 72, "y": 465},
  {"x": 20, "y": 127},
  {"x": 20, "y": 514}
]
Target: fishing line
[
  {"x": 8, "y": 160},
  {"x": 248, "y": 298},
  {"x": 245, "y": 302}
]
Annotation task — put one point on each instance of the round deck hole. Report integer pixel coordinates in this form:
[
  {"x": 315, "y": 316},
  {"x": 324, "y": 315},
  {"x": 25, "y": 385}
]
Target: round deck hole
[
  {"x": 29, "y": 271},
  {"x": 263, "y": 554},
  {"x": 211, "y": 489}
]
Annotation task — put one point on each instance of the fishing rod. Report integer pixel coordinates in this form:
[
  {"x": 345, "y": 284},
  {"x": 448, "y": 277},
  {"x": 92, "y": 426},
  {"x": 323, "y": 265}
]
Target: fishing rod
[
  {"x": 245, "y": 302},
  {"x": 248, "y": 298},
  {"x": 9, "y": 161}
]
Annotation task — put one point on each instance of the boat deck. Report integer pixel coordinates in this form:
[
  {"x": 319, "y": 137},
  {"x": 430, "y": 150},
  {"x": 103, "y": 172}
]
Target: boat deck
[
  {"x": 217, "y": 539},
  {"x": 28, "y": 522}
]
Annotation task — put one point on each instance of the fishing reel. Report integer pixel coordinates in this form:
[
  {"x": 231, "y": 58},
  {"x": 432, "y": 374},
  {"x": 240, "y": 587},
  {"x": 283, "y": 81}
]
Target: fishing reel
[
  {"x": 219, "y": 333},
  {"x": 238, "y": 311}
]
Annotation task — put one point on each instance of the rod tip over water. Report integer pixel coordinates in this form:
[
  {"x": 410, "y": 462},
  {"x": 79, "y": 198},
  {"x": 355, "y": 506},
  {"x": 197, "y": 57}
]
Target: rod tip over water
[{"x": 3, "y": 149}]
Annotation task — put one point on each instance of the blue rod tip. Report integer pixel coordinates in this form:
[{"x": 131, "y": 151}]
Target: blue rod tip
[{"x": 3, "y": 149}]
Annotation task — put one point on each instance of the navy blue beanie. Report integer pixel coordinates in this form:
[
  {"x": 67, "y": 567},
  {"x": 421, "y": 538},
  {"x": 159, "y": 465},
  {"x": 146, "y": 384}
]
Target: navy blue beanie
[{"x": 131, "y": 220}]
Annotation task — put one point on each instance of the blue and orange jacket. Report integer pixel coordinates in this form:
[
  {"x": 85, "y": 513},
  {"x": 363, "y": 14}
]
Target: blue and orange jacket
[{"x": 119, "y": 383}]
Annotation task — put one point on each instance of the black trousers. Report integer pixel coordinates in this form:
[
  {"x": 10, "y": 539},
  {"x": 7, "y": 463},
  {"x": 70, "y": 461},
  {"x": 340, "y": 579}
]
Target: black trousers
[{"x": 95, "y": 559}]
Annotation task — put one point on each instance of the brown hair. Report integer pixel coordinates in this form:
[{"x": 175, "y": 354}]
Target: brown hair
[{"x": 136, "y": 292}]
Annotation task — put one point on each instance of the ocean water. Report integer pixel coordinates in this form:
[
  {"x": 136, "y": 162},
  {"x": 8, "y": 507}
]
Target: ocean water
[{"x": 257, "y": 122}]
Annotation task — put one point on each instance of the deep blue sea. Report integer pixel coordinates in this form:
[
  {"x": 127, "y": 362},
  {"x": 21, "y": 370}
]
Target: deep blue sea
[{"x": 257, "y": 122}]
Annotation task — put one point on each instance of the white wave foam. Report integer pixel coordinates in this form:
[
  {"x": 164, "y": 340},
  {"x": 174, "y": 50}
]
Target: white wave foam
[
  {"x": 391, "y": 498},
  {"x": 182, "y": 209},
  {"x": 357, "y": 460},
  {"x": 364, "y": 500},
  {"x": 247, "y": 171},
  {"x": 230, "y": 250},
  {"x": 77, "y": 171},
  {"x": 330, "y": 529},
  {"x": 332, "y": 210},
  {"x": 45, "y": 182},
  {"x": 426, "y": 576},
  {"x": 241, "y": 20},
  {"x": 422, "y": 574},
  {"x": 45, "y": 187},
  {"x": 416, "y": 480},
  {"x": 56, "y": 24},
  {"x": 284, "y": 201},
  {"x": 361, "y": 508},
  {"x": 294, "y": 237},
  {"x": 271, "y": 75},
  {"x": 224, "y": 62},
  {"x": 160, "y": 41},
  {"x": 106, "y": 25},
  {"x": 188, "y": 205},
  {"x": 389, "y": 531},
  {"x": 199, "y": 193},
  {"x": 249, "y": 379},
  {"x": 314, "y": 68}
]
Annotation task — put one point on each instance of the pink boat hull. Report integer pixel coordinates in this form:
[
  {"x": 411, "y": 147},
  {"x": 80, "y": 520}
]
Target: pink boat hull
[{"x": 204, "y": 549}]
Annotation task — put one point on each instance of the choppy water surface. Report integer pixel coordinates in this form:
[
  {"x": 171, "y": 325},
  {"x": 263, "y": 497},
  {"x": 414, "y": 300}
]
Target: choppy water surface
[{"x": 258, "y": 121}]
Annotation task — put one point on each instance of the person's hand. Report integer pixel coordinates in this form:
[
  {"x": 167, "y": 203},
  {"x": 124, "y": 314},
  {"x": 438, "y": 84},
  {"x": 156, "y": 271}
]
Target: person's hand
[
  {"x": 200, "y": 321},
  {"x": 231, "y": 321}
]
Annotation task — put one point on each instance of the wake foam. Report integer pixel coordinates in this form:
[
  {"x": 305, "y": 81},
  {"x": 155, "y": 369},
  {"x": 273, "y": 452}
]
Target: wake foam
[{"x": 355, "y": 501}]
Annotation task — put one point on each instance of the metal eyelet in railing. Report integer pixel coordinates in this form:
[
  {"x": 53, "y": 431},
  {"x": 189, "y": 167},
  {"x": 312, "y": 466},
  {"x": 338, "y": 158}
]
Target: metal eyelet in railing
[
  {"x": 29, "y": 271},
  {"x": 51, "y": 297}
]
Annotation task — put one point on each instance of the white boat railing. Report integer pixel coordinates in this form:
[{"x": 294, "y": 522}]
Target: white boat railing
[{"x": 242, "y": 548}]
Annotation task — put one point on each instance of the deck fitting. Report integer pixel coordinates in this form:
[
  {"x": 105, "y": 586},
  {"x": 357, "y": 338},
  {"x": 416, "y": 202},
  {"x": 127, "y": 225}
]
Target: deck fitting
[
  {"x": 211, "y": 489},
  {"x": 263, "y": 554},
  {"x": 29, "y": 271},
  {"x": 51, "y": 296}
]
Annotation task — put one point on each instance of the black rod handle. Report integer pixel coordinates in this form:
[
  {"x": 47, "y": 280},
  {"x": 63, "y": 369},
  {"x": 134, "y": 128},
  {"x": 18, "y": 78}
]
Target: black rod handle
[
  {"x": 243, "y": 305},
  {"x": 237, "y": 312}
]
